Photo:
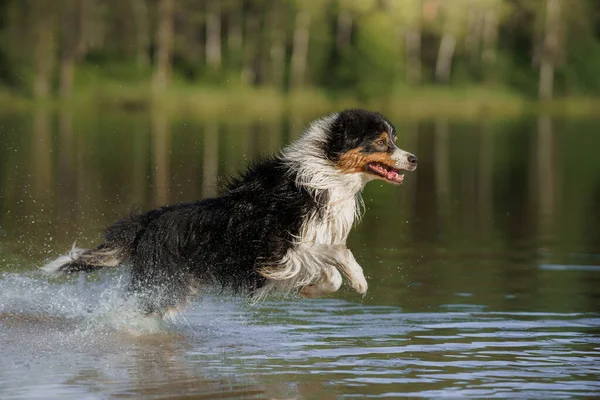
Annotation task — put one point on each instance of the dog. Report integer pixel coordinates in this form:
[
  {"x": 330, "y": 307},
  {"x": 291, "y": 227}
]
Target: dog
[{"x": 281, "y": 226}]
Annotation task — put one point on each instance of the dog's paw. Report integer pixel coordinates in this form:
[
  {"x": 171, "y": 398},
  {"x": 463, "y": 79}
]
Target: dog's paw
[{"x": 360, "y": 285}]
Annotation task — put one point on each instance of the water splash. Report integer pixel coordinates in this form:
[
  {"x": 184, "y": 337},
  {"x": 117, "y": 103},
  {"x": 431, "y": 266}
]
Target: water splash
[{"x": 83, "y": 306}]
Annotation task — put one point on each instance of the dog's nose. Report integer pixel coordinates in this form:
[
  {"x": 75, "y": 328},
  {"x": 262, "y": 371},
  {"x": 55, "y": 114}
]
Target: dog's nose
[{"x": 413, "y": 159}]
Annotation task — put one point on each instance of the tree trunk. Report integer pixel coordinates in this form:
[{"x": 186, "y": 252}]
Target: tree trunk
[
  {"x": 490, "y": 36},
  {"x": 413, "y": 56},
  {"x": 277, "y": 50},
  {"x": 142, "y": 39},
  {"x": 443, "y": 65},
  {"x": 164, "y": 42},
  {"x": 412, "y": 37},
  {"x": 194, "y": 34},
  {"x": 300, "y": 49},
  {"x": 549, "y": 50},
  {"x": 234, "y": 34},
  {"x": 93, "y": 26},
  {"x": 69, "y": 43},
  {"x": 343, "y": 33},
  {"x": 278, "y": 60},
  {"x": 213, "y": 34},
  {"x": 489, "y": 42},
  {"x": 250, "y": 49},
  {"x": 44, "y": 55},
  {"x": 475, "y": 21},
  {"x": 84, "y": 21}
]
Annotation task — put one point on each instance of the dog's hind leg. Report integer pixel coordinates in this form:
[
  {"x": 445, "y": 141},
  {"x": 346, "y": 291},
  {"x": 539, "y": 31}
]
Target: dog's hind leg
[{"x": 163, "y": 295}]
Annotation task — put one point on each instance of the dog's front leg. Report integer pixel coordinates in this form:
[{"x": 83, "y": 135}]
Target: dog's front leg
[
  {"x": 352, "y": 270},
  {"x": 343, "y": 259},
  {"x": 314, "y": 270},
  {"x": 330, "y": 282}
]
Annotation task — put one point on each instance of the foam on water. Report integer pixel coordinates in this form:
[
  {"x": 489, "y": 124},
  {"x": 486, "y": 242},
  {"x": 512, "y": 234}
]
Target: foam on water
[
  {"x": 75, "y": 338},
  {"x": 82, "y": 305}
]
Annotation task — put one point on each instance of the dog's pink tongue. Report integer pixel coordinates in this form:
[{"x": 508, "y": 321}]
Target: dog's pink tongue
[{"x": 395, "y": 176}]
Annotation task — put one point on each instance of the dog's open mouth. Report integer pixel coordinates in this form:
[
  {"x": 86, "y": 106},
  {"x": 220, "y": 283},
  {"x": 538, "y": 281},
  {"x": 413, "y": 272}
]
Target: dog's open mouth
[{"x": 390, "y": 174}]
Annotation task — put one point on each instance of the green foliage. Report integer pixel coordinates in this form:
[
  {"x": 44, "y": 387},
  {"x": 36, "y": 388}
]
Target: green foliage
[
  {"x": 377, "y": 57},
  {"x": 355, "y": 48}
]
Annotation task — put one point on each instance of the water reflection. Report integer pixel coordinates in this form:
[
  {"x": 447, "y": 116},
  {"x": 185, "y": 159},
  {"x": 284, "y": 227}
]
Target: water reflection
[
  {"x": 483, "y": 266},
  {"x": 312, "y": 349},
  {"x": 486, "y": 190},
  {"x": 161, "y": 140},
  {"x": 42, "y": 177},
  {"x": 546, "y": 177},
  {"x": 210, "y": 160}
]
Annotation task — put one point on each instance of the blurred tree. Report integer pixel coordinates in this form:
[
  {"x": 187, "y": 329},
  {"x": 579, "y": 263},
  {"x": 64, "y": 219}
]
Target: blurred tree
[
  {"x": 43, "y": 17},
  {"x": 300, "y": 46},
  {"x": 549, "y": 49},
  {"x": 213, "y": 34},
  {"x": 276, "y": 36},
  {"x": 142, "y": 32},
  {"x": 412, "y": 22},
  {"x": 350, "y": 47},
  {"x": 234, "y": 11},
  {"x": 489, "y": 37},
  {"x": 343, "y": 32},
  {"x": 72, "y": 19},
  {"x": 253, "y": 21},
  {"x": 453, "y": 16},
  {"x": 164, "y": 44}
]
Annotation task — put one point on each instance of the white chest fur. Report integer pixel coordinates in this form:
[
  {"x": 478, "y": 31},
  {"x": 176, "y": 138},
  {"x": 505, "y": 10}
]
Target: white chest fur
[
  {"x": 332, "y": 222},
  {"x": 330, "y": 225}
]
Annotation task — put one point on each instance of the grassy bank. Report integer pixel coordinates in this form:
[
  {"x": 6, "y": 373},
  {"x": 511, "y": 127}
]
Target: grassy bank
[{"x": 210, "y": 103}]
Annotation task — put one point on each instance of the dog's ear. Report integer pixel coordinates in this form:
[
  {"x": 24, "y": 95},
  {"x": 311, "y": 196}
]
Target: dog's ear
[
  {"x": 339, "y": 136},
  {"x": 352, "y": 128}
]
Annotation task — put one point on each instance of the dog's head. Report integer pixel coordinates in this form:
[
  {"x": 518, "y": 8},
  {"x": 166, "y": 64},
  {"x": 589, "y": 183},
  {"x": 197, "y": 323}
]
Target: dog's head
[{"x": 361, "y": 141}]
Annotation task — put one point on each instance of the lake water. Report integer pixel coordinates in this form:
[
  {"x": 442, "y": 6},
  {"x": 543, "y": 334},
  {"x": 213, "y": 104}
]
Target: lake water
[{"x": 483, "y": 268}]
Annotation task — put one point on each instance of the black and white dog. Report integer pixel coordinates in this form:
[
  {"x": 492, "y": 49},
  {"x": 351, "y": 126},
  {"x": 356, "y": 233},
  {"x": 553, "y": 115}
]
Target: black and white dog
[{"x": 282, "y": 226}]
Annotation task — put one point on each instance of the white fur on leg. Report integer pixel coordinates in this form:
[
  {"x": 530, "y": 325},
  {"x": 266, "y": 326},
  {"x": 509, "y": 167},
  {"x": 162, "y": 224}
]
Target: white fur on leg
[
  {"x": 306, "y": 265},
  {"x": 330, "y": 282},
  {"x": 354, "y": 273},
  {"x": 302, "y": 265},
  {"x": 54, "y": 267}
]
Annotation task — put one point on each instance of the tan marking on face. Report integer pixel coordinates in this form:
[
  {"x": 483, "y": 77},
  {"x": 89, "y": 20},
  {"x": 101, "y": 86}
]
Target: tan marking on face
[
  {"x": 354, "y": 161},
  {"x": 385, "y": 136}
]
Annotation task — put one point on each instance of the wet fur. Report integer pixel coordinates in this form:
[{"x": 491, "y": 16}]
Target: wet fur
[{"x": 282, "y": 226}]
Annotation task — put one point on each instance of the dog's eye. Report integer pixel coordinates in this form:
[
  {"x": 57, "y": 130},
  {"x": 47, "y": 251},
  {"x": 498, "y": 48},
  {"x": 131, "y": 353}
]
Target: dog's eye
[{"x": 381, "y": 142}]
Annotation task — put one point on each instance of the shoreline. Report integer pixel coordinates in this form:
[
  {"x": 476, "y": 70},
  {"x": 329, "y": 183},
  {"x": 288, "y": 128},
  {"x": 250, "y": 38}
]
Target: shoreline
[{"x": 204, "y": 102}]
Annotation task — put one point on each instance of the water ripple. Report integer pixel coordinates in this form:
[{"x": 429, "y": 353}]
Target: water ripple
[{"x": 73, "y": 339}]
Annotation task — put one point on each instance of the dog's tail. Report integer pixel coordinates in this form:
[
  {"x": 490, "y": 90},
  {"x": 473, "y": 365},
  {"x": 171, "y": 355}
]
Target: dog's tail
[
  {"x": 115, "y": 251},
  {"x": 86, "y": 260}
]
